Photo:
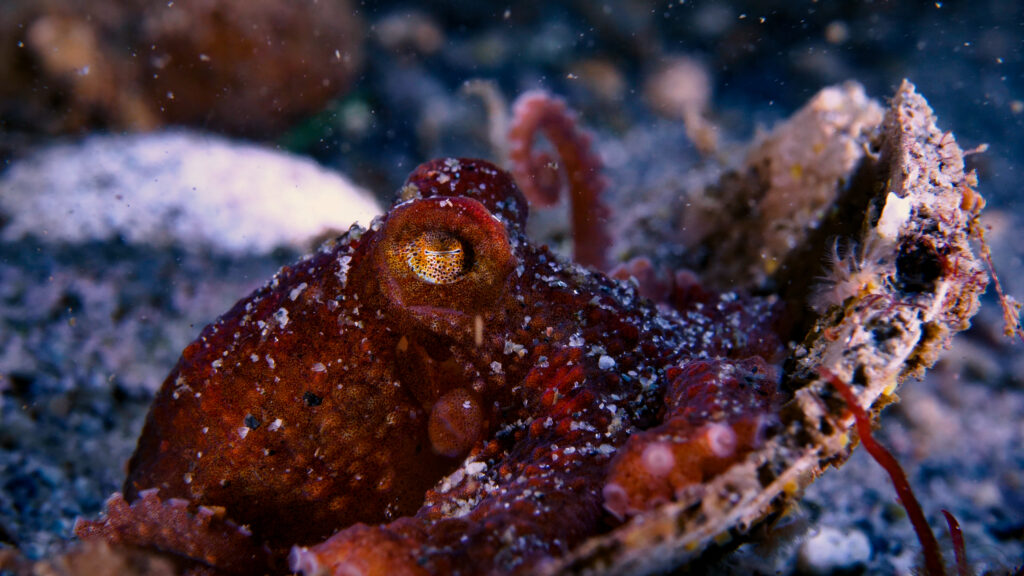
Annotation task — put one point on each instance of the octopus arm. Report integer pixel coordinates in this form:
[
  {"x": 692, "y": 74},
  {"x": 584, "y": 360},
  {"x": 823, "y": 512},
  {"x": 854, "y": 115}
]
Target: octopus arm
[
  {"x": 503, "y": 512},
  {"x": 204, "y": 535},
  {"x": 717, "y": 412}
]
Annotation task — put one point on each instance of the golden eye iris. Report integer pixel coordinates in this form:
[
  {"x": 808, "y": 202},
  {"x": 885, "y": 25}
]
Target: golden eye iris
[{"x": 437, "y": 257}]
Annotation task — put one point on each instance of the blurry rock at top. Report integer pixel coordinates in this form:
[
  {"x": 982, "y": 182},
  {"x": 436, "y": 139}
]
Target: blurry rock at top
[{"x": 246, "y": 67}]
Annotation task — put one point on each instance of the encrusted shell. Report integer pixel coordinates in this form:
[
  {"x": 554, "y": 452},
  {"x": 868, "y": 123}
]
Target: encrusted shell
[{"x": 883, "y": 336}]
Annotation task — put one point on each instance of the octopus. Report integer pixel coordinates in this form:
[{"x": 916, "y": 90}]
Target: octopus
[{"x": 438, "y": 395}]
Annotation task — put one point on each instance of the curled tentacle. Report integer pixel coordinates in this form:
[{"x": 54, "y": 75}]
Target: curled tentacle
[{"x": 539, "y": 175}]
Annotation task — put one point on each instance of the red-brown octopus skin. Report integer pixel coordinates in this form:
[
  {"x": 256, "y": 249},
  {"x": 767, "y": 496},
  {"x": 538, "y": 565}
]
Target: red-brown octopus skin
[{"x": 436, "y": 395}]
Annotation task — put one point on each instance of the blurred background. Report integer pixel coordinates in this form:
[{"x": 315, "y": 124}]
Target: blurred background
[
  {"x": 158, "y": 160},
  {"x": 373, "y": 88}
]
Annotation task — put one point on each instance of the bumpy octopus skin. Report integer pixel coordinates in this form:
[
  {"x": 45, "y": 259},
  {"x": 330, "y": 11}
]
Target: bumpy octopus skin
[{"x": 437, "y": 395}]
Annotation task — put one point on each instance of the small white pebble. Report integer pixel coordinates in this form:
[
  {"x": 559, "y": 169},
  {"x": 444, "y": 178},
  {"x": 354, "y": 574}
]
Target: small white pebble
[
  {"x": 831, "y": 550},
  {"x": 296, "y": 292},
  {"x": 281, "y": 316},
  {"x": 606, "y": 362}
]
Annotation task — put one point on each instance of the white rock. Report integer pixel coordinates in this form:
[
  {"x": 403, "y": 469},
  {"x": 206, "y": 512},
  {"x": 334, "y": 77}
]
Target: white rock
[
  {"x": 831, "y": 550},
  {"x": 177, "y": 188},
  {"x": 894, "y": 215}
]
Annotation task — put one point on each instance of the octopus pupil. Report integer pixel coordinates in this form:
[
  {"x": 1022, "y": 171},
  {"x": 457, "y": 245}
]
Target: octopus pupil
[{"x": 437, "y": 257}]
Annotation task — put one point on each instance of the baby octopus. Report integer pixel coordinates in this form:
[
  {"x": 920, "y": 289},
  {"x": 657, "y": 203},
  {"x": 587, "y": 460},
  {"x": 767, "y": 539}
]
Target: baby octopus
[{"x": 437, "y": 395}]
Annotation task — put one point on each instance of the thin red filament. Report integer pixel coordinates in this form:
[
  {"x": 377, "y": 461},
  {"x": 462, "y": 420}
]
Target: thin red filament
[
  {"x": 933, "y": 562},
  {"x": 957, "y": 536}
]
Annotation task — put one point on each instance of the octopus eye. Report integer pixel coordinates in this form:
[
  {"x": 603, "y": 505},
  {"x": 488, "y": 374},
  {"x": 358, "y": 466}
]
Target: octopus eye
[
  {"x": 437, "y": 257},
  {"x": 444, "y": 260}
]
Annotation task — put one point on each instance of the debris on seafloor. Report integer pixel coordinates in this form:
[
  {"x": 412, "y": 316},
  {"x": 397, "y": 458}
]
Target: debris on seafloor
[
  {"x": 92, "y": 559},
  {"x": 681, "y": 88}
]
